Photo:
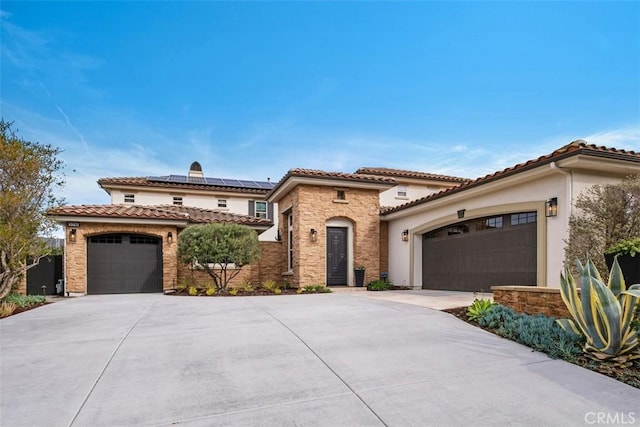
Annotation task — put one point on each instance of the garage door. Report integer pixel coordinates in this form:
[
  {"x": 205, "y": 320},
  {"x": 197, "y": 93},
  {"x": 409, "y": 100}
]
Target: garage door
[
  {"x": 475, "y": 255},
  {"x": 124, "y": 263}
]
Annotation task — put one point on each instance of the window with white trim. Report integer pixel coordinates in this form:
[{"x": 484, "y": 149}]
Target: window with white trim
[
  {"x": 177, "y": 200},
  {"x": 402, "y": 191},
  {"x": 129, "y": 198},
  {"x": 222, "y": 203},
  {"x": 261, "y": 209}
]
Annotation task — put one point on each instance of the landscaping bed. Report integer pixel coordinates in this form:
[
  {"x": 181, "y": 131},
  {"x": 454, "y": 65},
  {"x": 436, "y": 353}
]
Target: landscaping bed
[
  {"x": 562, "y": 350},
  {"x": 17, "y": 303}
]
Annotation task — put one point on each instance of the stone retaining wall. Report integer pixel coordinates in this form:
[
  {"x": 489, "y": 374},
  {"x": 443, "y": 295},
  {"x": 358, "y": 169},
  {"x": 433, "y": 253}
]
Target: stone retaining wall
[{"x": 531, "y": 300}]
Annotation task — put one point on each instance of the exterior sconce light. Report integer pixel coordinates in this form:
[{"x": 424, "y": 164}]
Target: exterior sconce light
[
  {"x": 314, "y": 234},
  {"x": 72, "y": 235},
  {"x": 169, "y": 237},
  {"x": 405, "y": 235},
  {"x": 551, "y": 207},
  {"x": 461, "y": 213},
  {"x": 278, "y": 236}
]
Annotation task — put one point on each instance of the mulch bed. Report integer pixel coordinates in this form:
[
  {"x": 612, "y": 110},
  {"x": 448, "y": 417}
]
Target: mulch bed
[
  {"x": 630, "y": 375},
  {"x": 23, "y": 309},
  {"x": 241, "y": 293}
]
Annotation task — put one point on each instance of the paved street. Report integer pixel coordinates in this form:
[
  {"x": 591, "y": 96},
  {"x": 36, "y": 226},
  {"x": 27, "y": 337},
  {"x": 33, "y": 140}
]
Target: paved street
[{"x": 326, "y": 360}]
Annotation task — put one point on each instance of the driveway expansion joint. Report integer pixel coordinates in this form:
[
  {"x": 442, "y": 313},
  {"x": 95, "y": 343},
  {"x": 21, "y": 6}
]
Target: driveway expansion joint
[
  {"x": 106, "y": 365},
  {"x": 353, "y": 391}
]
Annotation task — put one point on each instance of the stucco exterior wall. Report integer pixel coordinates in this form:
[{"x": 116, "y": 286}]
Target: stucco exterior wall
[
  {"x": 315, "y": 207},
  {"x": 522, "y": 192},
  {"x": 235, "y": 203},
  {"x": 75, "y": 252},
  {"x": 414, "y": 191}
]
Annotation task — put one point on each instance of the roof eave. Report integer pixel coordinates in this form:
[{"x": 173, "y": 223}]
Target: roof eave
[{"x": 288, "y": 183}]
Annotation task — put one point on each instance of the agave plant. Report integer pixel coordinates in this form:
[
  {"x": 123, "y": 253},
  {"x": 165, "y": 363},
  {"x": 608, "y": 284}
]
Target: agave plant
[
  {"x": 602, "y": 313},
  {"x": 479, "y": 308}
]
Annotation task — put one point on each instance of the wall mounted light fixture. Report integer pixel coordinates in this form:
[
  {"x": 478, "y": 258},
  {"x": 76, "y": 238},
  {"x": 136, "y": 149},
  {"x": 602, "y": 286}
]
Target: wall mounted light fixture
[
  {"x": 461, "y": 213},
  {"x": 405, "y": 235},
  {"x": 551, "y": 207},
  {"x": 169, "y": 237},
  {"x": 278, "y": 236},
  {"x": 72, "y": 235},
  {"x": 314, "y": 234}
]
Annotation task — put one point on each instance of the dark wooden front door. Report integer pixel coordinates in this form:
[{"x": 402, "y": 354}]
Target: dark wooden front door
[{"x": 336, "y": 256}]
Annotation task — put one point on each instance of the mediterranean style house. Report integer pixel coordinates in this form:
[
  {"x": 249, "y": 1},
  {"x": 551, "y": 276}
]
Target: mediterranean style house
[{"x": 418, "y": 229}]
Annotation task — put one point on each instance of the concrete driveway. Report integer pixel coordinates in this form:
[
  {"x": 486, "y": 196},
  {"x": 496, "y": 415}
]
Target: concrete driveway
[{"x": 330, "y": 360}]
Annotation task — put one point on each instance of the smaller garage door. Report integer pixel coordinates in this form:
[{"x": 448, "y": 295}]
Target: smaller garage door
[{"x": 124, "y": 263}]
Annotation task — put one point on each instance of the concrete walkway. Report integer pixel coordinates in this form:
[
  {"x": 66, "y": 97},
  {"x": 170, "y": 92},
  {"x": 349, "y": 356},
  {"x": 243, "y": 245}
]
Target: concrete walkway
[
  {"x": 438, "y": 300},
  {"x": 326, "y": 360}
]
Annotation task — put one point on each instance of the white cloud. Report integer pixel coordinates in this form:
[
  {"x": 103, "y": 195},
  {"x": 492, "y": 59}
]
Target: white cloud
[{"x": 625, "y": 138}]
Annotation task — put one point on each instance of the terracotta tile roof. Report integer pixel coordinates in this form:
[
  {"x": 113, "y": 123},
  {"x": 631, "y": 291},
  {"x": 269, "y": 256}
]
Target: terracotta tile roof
[
  {"x": 159, "y": 212},
  {"x": 400, "y": 173},
  {"x": 575, "y": 148},
  {"x": 146, "y": 182},
  {"x": 314, "y": 173}
]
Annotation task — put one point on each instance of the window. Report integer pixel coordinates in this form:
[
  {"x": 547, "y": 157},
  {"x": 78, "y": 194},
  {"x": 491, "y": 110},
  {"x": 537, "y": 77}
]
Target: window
[
  {"x": 177, "y": 200},
  {"x": 290, "y": 241},
  {"x": 107, "y": 238},
  {"x": 222, "y": 203},
  {"x": 129, "y": 198},
  {"x": 261, "y": 210},
  {"x": 341, "y": 195},
  {"x": 402, "y": 191},
  {"x": 143, "y": 240},
  {"x": 489, "y": 223},
  {"x": 524, "y": 218}
]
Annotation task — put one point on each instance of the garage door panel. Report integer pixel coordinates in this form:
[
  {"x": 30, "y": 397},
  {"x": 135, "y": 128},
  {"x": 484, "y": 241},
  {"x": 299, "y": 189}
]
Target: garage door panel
[
  {"x": 124, "y": 264},
  {"x": 480, "y": 258}
]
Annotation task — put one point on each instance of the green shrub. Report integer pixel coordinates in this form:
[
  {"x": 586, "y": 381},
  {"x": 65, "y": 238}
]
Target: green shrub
[
  {"x": 625, "y": 247},
  {"x": 277, "y": 291},
  {"x": 378, "y": 285},
  {"x": 233, "y": 291},
  {"x": 193, "y": 290},
  {"x": 539, "y": 332},
  {"x": 23, "y": 301},
  {"x": 211, "y": 291},
  {"x": 478, "y": 308},
  {"x": 313, "y": 289}
]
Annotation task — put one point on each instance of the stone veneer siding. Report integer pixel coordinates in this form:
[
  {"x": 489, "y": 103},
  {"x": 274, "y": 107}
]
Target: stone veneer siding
[
  {"x": 312, "y": 206},
  {"x": 531, "y": 300},
  {"x": 75, "y": 255},
  {"x": 269, "y": 267}
]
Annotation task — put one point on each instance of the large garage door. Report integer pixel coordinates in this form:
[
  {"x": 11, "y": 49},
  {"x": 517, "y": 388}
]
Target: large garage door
[
  {"x": 124, "y": 263},
  {"x": 475, "y": 255}
]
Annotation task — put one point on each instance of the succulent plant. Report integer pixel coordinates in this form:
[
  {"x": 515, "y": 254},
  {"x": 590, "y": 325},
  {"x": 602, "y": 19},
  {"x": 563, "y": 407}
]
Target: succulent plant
[{"x": 602, "y": 313}]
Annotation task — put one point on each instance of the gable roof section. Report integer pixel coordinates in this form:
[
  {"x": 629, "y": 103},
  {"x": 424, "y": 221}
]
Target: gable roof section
[
  {"x": 170, "y": 213},
  {"x": 575, "y": 148},
  {"x": 181, "y": 182},
  {"x": 318, "y": 177},
  {"x": 400, "y": 173}
]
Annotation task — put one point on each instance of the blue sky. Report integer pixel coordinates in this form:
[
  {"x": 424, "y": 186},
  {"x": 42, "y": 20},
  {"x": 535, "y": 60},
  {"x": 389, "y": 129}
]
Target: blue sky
[{"x": 252, "y": 89}]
